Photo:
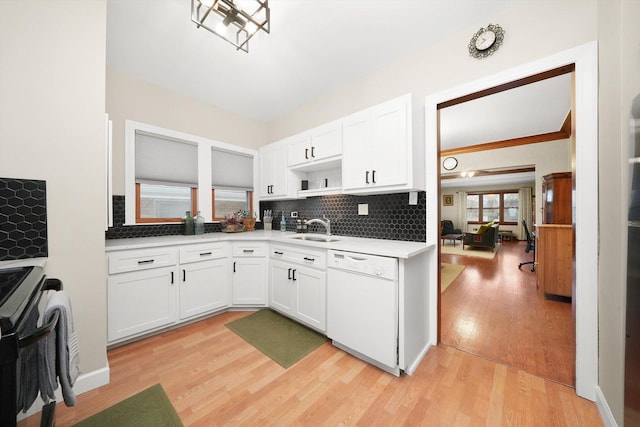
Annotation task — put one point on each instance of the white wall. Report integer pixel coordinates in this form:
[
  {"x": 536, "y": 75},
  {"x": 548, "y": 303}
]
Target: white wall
[
  {"x": 52, "y": 73},
  {"x": 129, "y": 98}
]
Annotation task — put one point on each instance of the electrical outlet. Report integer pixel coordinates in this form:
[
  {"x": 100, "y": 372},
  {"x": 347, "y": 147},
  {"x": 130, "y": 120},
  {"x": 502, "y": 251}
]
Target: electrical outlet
[
  {"x": 413, "y": 197},
  {"x": 294, "y": 214},
  {"x": 363, "y": 209}
]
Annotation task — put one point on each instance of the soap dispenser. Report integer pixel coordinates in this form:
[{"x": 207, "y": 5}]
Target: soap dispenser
[{"x": 283, "y": 223}]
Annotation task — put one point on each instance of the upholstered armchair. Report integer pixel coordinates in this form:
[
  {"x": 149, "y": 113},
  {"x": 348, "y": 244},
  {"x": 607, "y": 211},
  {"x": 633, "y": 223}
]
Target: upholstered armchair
[
  {"x": 486, "y": 236},
  {"x": 447, "y": 228}
]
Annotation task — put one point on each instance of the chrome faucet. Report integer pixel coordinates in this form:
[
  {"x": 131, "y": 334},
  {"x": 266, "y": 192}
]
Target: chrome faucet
[{"x": 326, "y": 223}]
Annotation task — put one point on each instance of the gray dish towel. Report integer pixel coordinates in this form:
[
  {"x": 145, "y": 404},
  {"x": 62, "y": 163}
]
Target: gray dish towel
[
  {"x": 61, "y": 353},
  {"x": 28, "y": 367}
]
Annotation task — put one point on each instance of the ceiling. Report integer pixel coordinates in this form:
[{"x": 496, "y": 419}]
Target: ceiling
[{"x": 315, "y": 46}]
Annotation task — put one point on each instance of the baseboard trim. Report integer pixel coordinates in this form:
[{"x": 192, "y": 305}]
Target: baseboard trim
[
  {"x": 605, "y": 411},
  {"x": 412, "y": 368},
  {"x": 84, "y": 383}
]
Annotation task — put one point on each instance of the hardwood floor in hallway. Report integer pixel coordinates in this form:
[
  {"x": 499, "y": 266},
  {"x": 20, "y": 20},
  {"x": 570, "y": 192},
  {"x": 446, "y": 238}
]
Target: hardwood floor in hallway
[
  {"x": 214, "y": 378},
  {"x": 494, "y": 310}
]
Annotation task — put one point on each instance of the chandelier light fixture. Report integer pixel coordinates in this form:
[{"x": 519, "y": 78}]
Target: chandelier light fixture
[{"x": 235, "y": 21}]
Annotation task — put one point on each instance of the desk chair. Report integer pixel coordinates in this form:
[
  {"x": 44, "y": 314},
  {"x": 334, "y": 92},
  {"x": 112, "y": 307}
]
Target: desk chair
[{"x": 531, "y": 247}]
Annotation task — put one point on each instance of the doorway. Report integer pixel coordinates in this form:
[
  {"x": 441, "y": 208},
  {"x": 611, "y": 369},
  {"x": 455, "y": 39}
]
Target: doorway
[
  {"x": 498, "y": 146},
  {"x": 586, "y": 202}
]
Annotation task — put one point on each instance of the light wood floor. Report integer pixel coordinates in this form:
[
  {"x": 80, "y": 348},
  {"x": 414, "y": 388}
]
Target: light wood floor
[
  {"x": 214, "y": 378},
  {"x": 494, "y": 310}
]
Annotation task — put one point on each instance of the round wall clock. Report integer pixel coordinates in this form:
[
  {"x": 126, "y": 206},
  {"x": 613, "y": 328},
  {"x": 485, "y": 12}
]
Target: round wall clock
[
  {"x": 486, "y": 41},
  {"x": 450, "y": 163}
]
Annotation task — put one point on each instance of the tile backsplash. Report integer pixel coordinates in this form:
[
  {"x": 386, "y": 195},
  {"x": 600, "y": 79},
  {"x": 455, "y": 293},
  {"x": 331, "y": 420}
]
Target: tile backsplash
[
  {"x": 120, "y": 231},
  {"x": 390, "y": 217},
  {"x": 23, "y": 219}
]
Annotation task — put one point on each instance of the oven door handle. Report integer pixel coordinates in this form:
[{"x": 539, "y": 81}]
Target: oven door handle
[{"x": 39, "y": 333}]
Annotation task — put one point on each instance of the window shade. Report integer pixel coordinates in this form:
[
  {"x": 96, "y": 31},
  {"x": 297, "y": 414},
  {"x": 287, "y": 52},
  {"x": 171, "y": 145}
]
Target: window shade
[
  {"x": 231, "y": 170},
  {"x": 164, "y": 160}
]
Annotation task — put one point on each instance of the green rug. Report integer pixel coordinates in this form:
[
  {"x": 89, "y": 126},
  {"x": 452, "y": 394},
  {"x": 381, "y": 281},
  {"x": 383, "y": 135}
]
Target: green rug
[
  {"x": 283, "y": 340},
  {"x": 149, "y": 408}
]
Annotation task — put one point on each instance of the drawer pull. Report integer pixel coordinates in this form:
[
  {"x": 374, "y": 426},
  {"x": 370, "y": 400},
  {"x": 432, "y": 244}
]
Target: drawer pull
[
  {"x": 247, "y": 251},
  {"x": 184, "y": 275},
  {"x": 278, "y": 253},
  {"x": 309, "y": 259},
  {"x": 294, "y": 274},
  {"x": 146, "y": 261},
  {"x": 172, "y": 277},
  {"x": 234, "y": 266},
  {"x": 289, "y": 274},
  {"x": 205, "y": 253}
]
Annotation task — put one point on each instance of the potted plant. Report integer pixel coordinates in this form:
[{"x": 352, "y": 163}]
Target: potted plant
[{"x": 248, "y": 219}]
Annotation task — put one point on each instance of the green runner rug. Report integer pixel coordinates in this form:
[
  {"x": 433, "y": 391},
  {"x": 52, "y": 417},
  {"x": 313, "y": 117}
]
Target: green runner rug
[
  {"x": 283, "y": 340},
  {"x": 149, "y": 408}
]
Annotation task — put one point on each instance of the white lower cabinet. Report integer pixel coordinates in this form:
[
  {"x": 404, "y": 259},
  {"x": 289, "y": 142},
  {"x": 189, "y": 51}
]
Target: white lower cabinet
[
  {"x": 152, "y": 289},
  {"x": 204, "y": 287},
  {"x": 204, "y": 278},
  {"x": 141, "y": 301},
  {"x": 142, "y": 292},
  {"x": 296, "y": 289},
  {"x": 249, "y": 274}
]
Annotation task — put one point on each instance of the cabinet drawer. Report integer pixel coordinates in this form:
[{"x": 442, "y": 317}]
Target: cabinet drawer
[
  {"x": 300, "y": 255},
  {"x": 249, "y": 249},
  {"x": 141, "y": 259},
  {"x": 203, "y": 252}
]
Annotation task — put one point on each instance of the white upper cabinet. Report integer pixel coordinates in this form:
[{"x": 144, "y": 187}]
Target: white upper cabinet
[
  {"x": 383, "y": 150},
  {"x": 274, "y": 173},
  {"x": 316, "y": 146}
]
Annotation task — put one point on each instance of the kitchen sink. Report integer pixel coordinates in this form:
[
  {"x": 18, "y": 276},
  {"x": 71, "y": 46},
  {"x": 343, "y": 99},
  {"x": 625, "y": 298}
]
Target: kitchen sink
[{"x": 316, "y": 238}]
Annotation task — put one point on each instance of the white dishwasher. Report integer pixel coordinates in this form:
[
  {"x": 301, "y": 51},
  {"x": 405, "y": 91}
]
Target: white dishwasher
[{"x": 362, "y": 307}]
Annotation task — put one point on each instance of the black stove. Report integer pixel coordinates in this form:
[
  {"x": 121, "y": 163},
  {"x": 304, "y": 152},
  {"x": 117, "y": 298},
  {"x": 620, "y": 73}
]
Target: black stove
[
  {"x": 17, "y": 285},
  {"x": 20, "y": 292}
]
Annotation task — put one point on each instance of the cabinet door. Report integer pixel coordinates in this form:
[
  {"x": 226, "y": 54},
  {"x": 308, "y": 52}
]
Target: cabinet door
[
  {"x": 249, "y": 281},
  {"x": 299, "y": 149},
  {"x": 266, "y": 172},
  {"x": 281, "y": 287},
  {"x": 204, "y": 287},
  {"x": 141, "y": 301},
  {"x": 280, "y": 170},
  {"x": 311, "y": 295},
  {"x": 389, "y": 144},
  {"x": 356, "y": 135},
  {"x": 326, "y": 141}
]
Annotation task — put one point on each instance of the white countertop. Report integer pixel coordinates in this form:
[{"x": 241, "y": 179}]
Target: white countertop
[{"x": 390, "y": 248}]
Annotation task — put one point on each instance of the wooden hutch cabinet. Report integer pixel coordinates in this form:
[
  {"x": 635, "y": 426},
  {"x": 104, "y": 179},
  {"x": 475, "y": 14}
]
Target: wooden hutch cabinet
[
  {"x": 556, "y": 198},
  {"x": 554, "y": 244}
]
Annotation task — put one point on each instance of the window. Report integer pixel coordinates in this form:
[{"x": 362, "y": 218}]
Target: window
[
  {"x": 231, "y": 183},
  {"x": 168, "y": 173},
  {"x": 166, "y": 177},
  {"x": 500, "y": 206},
  {"x": 228, "y": 202},
  {"x": 157, "y": 202}
]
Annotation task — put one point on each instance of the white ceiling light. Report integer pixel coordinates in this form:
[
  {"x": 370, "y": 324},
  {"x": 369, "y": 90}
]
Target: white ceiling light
[{"x": 245, "y": 17}]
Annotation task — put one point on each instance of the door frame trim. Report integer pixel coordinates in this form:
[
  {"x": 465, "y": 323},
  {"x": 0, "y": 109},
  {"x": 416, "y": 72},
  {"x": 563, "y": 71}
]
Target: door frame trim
[{"x": 585, "y": 58}]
